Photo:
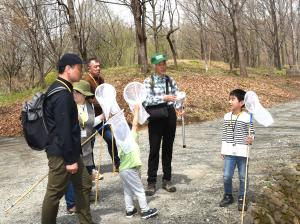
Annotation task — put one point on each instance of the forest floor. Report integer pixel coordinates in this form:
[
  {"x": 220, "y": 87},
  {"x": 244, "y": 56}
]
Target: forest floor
[{"x": 207, "y": 92}]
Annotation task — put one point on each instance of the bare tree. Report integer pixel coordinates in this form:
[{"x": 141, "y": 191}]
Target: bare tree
[
  {"x": 12, "y": 58},
  {"x": 111, "y": 40},
  {"x": 234, "y": 8},
  {"x": 172, "y": 10},
  {"x": 277, "y": 60},
  {"x": 155, "y": 22},
  {"x": 27, "y": 27},
  {"x": 55, "y": 37},
  {"x": 79, "y": 21},
  {"x": 197, "y": 14},
  {"x": 294, "y": 35},
  {"x": 138, "y": 9}
]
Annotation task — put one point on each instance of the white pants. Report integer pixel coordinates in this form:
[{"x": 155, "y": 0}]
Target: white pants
[{"x": 133, "y": 187}]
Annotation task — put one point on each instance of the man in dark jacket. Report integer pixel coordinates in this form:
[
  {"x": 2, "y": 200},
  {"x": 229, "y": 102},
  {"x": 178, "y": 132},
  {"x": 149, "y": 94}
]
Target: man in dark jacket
[{"x": 64, "y": 149}]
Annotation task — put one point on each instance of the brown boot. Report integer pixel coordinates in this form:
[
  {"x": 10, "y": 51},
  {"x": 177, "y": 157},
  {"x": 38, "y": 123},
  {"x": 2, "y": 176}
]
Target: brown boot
[
  {"x": 168, "y": 186},
  {"x": 150, "y": 189}
]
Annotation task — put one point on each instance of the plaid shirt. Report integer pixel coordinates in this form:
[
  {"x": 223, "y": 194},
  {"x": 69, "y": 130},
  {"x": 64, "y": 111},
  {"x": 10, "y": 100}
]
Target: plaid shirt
[{"x": 157, "y": 90}]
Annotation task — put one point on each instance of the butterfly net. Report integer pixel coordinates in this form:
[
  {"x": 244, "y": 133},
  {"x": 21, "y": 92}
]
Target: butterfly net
[
  {"x": 135, "y": 93},
  {"x": 260, "y": 114},
  {"x": 106, "y": 97},
  {"x": 121, "y": 131}
]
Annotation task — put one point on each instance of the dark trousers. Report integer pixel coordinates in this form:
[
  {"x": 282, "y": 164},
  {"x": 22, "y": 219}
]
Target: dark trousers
[
  {"x": 58, "y": 180},
  {"x": 162, "y": 130},
  {"x": 111, "y": 143}
]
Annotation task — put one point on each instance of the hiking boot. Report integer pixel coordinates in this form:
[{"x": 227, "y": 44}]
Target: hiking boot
[
  {"x": 240, "y": 204},
  {"x": 227, "y": 200},
  {"x": 150, "y": 213},
  {"x": 168, "y": 186},
  {"x": 131, "y": 214},
  {"x": 116, "y": 169},
  {"x": 150, "y": 189},
  {"x": 72, "y": 210}
]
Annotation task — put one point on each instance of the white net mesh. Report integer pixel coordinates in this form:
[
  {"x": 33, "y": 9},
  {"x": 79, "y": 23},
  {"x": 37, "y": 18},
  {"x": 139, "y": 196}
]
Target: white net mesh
[
  {"x": 260, "y": 114},
  {"x": 135, "y": 93},
  {"x": 106, "y": 97},
  {"x": 180, "y": 99},
  {"x": 121, "y": 131}
]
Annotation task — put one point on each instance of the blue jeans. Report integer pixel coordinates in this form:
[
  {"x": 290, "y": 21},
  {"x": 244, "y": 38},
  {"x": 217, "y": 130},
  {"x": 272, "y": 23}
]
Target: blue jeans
[
  {"x": 69, "y": 196},
  {"x": 230, "y": 162}
]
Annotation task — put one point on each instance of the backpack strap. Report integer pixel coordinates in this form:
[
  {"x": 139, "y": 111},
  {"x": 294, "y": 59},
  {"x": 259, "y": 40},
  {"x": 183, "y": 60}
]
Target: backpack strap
[
  {"x": 167, "y": 84},
  {"x": 55, "y": 90},
  {"x": 152, "y": 84}
]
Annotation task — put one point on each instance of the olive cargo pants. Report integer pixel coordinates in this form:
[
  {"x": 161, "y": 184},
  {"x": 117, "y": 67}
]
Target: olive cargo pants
[{"x": 58, "y": 179}]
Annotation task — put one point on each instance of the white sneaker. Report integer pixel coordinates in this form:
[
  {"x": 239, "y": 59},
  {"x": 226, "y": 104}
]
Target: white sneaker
[{"x": 95, "y": 174}]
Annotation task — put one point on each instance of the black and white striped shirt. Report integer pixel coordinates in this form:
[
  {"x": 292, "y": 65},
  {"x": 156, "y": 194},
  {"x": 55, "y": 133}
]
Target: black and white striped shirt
[{"x": 236, "y": 128}]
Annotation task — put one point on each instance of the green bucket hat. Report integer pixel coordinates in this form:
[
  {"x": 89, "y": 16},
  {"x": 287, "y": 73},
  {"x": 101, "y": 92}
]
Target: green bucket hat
[
  {"x": 157, "y": 58},
  {"x": 83, "y": 87}
]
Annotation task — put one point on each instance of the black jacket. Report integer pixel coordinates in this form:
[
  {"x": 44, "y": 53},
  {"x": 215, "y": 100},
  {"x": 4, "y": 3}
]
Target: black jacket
[{"x": 61, "y": 117}]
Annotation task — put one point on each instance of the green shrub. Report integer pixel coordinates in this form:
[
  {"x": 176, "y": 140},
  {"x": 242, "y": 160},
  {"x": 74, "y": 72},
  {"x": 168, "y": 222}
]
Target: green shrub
[
  {"x": 50, "y": 77},
  {"x": 10, "y": 98}
]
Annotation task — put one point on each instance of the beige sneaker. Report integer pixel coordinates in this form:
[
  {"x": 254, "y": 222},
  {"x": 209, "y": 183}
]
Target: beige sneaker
[{"x": 95, "y": 174}]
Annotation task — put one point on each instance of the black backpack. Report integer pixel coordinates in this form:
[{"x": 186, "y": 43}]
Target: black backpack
[{"x": 33, "y": 122}]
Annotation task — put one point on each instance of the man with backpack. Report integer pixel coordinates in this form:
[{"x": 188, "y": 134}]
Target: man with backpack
[{"x": 64, "y": 148}]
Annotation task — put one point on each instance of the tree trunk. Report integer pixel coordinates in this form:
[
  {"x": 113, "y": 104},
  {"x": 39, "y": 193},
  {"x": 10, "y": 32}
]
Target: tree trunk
[
  {"x": 253, "y": 57},
  {"x": 32, "y": 72},
  {"x": 84, "y": 53},
  {"x": 10, "y": 82},
  {"x": 235, "y": 16},
  {"x": 72, "y": 25},
  {"x": 174, "y": 54},
  {"x": 155, "y": 36},
  {"x": 203, "y": 48},
  {"x": 282, "y": 51},
  {"x": 154, "y": 27},
  {"x": 235, "y": 52},
  {"x": 287, "y": 56},
  {"x": 42, "y": 82},
  {"x": 139, "y": 59},
  {"x": 258, "y": 49},
  {"x": 276, "y": 47},
  {"x": 294, "y": 35},
  {"x": 297, "y": 38},
  {"x": 139, "y": 20}
]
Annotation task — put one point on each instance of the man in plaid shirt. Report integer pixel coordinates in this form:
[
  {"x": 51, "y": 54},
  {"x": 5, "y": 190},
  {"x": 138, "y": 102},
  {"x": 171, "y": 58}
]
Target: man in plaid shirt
[{"x": 161, "y": 129}]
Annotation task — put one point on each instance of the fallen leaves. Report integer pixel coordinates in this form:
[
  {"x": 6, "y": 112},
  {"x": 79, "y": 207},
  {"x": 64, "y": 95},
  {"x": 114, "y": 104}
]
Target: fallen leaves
[
  {"x": 10, "y": 124},
  {"x": 207, "y": 95}
]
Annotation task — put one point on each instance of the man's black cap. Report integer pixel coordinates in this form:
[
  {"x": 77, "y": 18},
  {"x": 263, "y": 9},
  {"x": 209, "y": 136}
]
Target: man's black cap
[{"x": 69, "y": 59}]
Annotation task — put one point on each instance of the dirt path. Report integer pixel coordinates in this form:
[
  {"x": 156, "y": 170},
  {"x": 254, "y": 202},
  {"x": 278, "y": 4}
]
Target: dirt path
[{"x": 197, "y": 174}]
